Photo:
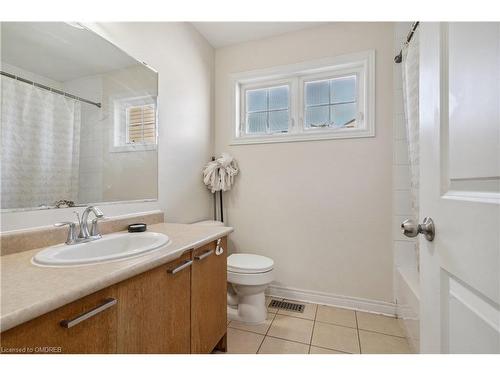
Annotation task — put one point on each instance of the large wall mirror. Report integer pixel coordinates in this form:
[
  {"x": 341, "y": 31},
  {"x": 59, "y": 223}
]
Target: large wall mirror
[{"x": 78, "y": 119}]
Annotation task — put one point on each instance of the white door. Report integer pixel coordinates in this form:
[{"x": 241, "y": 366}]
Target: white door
[{"x": 460, "y": 187}]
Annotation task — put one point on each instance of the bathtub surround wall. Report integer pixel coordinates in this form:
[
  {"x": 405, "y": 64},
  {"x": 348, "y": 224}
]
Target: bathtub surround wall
[
  {"x": 319, "y": 209},
  {"x": 184, "y": 61},
  {"x": 406, "y": 277}
]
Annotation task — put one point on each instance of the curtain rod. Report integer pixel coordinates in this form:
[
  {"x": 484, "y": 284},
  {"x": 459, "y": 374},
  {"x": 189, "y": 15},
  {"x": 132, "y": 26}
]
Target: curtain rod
[
  {"x": 56, "y": 91},
  {"x": 399, "y": 57}
]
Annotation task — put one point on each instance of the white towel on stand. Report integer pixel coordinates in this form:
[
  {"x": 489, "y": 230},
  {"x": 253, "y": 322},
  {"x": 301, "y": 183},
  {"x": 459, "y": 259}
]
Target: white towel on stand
[{"x": 219, "y": 174}]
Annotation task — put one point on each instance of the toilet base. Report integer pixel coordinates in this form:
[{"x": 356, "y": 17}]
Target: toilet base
[{"x": 250, "y": 309}]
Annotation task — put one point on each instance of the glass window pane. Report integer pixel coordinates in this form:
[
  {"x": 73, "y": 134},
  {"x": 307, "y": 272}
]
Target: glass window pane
[
  {"x": 316, "y": 116},
  {"x": 343, "y": 90},
  {"x": 256, "y": 100},
  {"x": 278, "y": 121},
  {"x": 343, "y": 115},
  {"x": 278, "y": 98},
  {"x": 256, "y": 122},
  {"x": 317, "y": 93}
]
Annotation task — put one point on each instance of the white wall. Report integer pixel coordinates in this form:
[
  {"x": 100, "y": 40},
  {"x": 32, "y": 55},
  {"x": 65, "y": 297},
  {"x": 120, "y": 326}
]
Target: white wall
[
  {"x": 406, "y": 277},
  {"x": 184, "y": 61},
  {"x": 321, "y": 209}
]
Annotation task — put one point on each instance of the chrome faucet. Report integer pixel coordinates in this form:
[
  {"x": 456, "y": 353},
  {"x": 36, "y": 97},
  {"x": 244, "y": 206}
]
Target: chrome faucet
[
  {"x": 85, "y": 235},
  {"x": 84, "y": 225}
]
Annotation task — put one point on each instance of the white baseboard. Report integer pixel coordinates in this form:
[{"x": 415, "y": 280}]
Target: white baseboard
[{"x": 353, "y": 303}]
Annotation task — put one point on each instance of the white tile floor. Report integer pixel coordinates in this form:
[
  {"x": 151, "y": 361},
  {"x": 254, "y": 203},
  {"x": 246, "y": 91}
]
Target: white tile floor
[{"x": 318, "y": 330}]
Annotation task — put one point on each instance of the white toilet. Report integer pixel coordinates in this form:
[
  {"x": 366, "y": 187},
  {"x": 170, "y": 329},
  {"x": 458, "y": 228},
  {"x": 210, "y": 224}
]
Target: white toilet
[{"x": 248, "y": 276}]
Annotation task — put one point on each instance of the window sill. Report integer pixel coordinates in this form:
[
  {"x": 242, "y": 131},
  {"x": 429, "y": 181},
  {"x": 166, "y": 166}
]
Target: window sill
[
  {"x": 303, "y": 137},
  {"x": 133, "y": 148}
]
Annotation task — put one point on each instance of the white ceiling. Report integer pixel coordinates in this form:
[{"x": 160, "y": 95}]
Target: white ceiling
[
  {"x": 221, "y": 34},
  {"x": 59, "y": 51}
]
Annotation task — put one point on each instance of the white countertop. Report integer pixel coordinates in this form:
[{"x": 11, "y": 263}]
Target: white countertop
[{"x": 28, "y": 291}]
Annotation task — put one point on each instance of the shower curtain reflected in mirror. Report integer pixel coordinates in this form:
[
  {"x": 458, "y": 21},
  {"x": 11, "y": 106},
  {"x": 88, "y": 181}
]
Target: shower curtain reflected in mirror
[
  {"x": 411, "y": 109},
  {"x": 40, "y": 138}
]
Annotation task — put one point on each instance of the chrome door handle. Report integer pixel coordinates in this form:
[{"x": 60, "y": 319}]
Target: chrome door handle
[
  {"x": 186, "y": 264},
  {"x": 107, "y": 303},
  {"x": 411, "y": 229},
  {"x": 204, "y": 255}
]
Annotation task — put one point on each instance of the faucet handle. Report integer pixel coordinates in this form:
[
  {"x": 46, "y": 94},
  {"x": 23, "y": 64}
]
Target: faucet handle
[
  {"x": 71, "y": 239},
  {"x": 96, "y": 210},
  {"x": 94, "y": 229},
  {"x": 98, "y": 213},
  {"x": 80, "y": 224},
  {"x": 77, "y": 217},
  {"x": 63, "y": 223}
]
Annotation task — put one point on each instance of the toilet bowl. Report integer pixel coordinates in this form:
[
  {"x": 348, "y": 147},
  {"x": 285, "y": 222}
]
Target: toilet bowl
[{"x": 248, "y": 276}]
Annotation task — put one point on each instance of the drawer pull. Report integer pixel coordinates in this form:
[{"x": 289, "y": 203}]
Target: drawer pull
[
  {"x": 107, "y": 303},
  {"x": 186, "y": 264},
  {"x": 204, "y": 255}
]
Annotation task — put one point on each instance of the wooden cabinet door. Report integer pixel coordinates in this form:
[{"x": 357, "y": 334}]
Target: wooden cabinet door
[
  {"x": 84, "y": 326},
  {"x": 208, "y": 297},
  {"x": 154, "y": 310}
]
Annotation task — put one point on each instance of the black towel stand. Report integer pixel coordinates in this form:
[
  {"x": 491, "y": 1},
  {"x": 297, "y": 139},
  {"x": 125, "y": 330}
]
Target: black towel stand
[{"x": 215, "y": 203}]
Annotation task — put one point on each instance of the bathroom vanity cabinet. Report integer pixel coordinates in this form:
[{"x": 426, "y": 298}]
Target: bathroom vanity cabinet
[
  {"x": 208, "y": 304},
  {"x": 178, "y": 307},
  {"x": 45, "y": 334},
  {"x": 154, "y": 310}
]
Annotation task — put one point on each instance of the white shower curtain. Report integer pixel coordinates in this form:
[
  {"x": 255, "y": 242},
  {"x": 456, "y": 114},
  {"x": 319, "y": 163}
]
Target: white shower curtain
[
  {"x": 40, "y": 137},
  {"x": 411, "y": 108}
]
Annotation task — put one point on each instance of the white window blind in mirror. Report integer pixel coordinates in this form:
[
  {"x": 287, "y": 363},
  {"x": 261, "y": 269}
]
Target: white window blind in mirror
[
  {"x": 141, "y": 124},
  {"x": 135, "y": 124}
]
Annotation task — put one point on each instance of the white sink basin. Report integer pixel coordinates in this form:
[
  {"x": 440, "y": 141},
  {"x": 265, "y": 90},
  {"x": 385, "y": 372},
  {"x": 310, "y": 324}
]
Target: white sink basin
[{"x": 115, "y": 246}]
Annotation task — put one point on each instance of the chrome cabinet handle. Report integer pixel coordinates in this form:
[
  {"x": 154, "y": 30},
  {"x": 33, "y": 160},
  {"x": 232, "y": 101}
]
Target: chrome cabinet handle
[
  {"x": 107, "y": 303},
  {"x": 204, "y": 255},
  {"x": 411, "y": 229},
  {"x": 186, "y": 264}
]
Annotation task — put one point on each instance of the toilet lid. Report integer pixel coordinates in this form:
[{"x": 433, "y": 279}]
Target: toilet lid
[{"x": 249, "y": 263}]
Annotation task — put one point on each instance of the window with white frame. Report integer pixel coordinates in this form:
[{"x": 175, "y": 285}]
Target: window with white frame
[
  {"x": 135, "y": 124},
  {"x": 266, "y": 110},
  {"x": 331, "y": 103},
  {"x": 331, "y": 98}
]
